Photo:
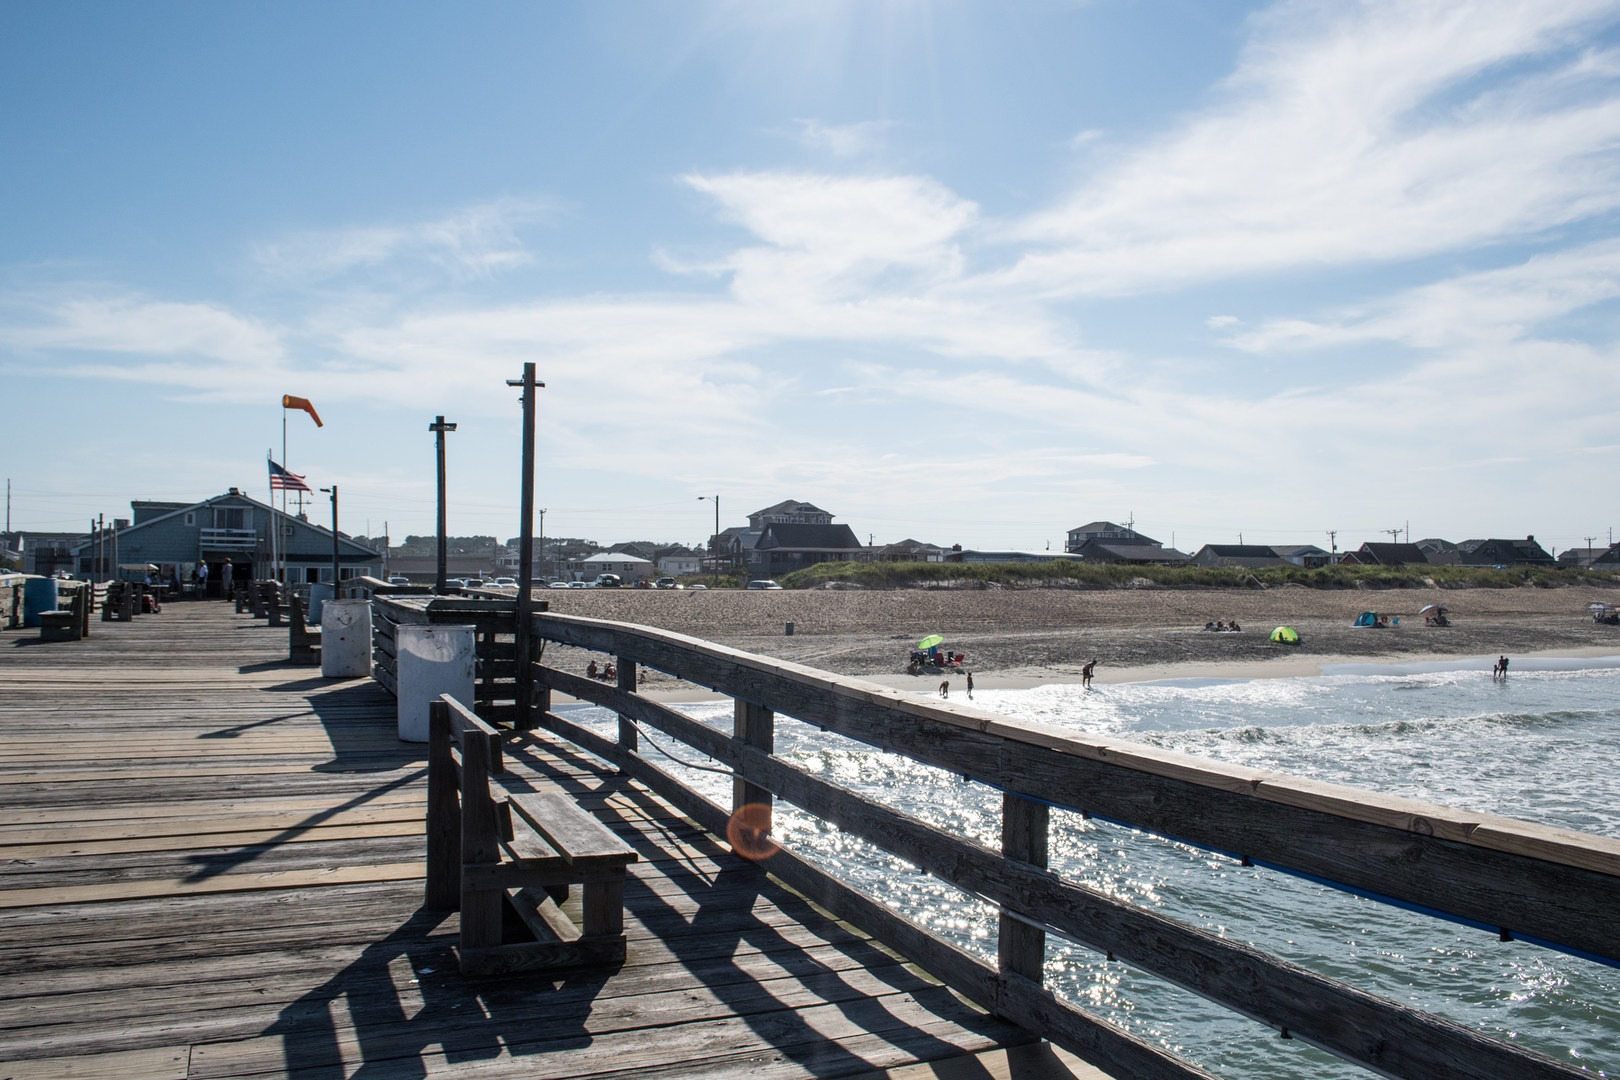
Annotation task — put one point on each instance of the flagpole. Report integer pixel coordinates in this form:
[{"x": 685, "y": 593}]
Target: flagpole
[
  {"x": 281, "y": 567},
  {"x": 275, "y": 521}
]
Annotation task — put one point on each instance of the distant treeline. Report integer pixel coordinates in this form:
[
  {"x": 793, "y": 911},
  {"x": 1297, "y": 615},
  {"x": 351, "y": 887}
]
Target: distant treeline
[{"x": 1067, "y": 574}]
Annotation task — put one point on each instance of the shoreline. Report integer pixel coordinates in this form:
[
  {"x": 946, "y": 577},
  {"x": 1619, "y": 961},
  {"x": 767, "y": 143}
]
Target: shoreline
[
  {"x": 1292, "y": 667},
  {"x": 1019, "y": 639}
]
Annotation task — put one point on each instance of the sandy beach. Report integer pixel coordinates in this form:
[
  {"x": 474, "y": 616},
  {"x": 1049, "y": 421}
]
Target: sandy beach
[{"x": 1028, "y": 637}]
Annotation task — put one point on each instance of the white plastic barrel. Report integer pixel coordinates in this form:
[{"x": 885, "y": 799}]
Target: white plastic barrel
[
  {"x": 432, "y": 660},
  {"x": 346, "y": 638}
]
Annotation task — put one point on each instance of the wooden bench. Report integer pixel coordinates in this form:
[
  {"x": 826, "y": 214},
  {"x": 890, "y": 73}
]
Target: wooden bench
[
  {"x": 506, "y": 860},
  {"x": 119, "y": 603},
  {"x": 303, "y": 641},
  {"x": 58, "y": 626}
]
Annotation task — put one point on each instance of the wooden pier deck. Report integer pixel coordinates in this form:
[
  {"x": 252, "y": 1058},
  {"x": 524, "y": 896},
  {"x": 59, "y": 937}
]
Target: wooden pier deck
[{"x": 211, "y": 866}]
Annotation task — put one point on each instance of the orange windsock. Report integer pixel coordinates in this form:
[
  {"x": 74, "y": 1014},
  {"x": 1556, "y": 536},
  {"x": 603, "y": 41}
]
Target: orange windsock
[{"x": 290, "y": 402}]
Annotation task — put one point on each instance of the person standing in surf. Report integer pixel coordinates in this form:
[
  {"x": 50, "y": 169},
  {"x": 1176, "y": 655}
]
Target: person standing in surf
[{"x": 1085, "y": 672}]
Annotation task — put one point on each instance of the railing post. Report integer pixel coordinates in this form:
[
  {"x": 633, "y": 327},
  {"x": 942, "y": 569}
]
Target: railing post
[
  {"x": 629, "y": 742},
  {"x": 755, "y": 725},
  {"x": 540, "y": 692},
  {"x": 480, "y": 846},
  {"x": 443, "y": 815},
  {"x": 1024, "y": 827}
]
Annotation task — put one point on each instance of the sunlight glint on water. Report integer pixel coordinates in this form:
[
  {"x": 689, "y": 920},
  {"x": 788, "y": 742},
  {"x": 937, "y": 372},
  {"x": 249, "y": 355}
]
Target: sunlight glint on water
[{"x": 1544, "y": 745}]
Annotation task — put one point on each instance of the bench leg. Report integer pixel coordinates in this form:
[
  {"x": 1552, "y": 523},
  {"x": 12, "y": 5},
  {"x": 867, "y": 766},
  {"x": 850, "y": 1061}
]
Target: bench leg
[{"x": 603, "y": 904}]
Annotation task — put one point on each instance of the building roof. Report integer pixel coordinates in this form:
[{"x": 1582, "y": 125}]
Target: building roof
[
  {"x": 1241, "y": 551},
  {"x": 778, "y": 536},
  {"x": 615, "y": 557},
  {"x": 1109, "y": 530},
  {"x": 1393, "y": 554},
  {"x": 1128, "y": 552},
  {"x": 790, "y": 506}
]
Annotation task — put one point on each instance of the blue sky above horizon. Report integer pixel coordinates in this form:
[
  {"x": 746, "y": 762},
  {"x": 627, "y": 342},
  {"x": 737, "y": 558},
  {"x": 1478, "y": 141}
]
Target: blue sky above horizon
[{"x": 960, "y": 271}]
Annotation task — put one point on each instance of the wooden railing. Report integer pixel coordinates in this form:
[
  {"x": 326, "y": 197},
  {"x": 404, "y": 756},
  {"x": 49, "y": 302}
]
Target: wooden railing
[
  {"x": 494, "y": 623},
  {"x": 1546, "y": 885}
]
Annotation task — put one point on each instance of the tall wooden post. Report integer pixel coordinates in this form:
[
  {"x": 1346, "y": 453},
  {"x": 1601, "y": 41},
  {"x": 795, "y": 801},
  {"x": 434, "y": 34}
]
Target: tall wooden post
[
  {"x": 440, "y": 576},
  {"x": 1024, "y": 830},
  {"x": 336, "y": 557},
  {"x": 525, "y": 599}
]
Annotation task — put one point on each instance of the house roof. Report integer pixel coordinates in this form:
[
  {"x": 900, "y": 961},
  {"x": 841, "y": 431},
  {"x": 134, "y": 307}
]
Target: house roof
[
  {"x": 1113, "y": 531},
  {"x": 615, "y": 557},
  {"x": 1495, "y": 550},
  {"x": 1240, "y": 551},
  {"x": 808, "y": 538},
  {"x": 790, "y": 506},
  {"x": 1126, "y": 551},
  {"x": 1393, "y": 554}
]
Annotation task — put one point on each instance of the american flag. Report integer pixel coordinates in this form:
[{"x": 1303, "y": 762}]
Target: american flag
[{"x": 282, "y": 480}]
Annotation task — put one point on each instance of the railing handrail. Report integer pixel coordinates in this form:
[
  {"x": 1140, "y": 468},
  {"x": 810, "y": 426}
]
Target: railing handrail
[
  {"x": 1557, "y": 884},
  {"x": 1487, "y": 832}
]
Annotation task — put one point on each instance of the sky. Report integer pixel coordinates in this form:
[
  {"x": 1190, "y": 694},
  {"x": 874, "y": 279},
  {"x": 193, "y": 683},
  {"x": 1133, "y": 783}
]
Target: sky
[{"x": 963, "y": 272}]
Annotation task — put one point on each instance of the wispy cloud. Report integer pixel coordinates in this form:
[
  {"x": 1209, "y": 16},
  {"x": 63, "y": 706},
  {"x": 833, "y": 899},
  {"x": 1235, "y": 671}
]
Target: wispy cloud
[
  {"x": 1494, "y": 306},
  {"x": 1349, "y": 134},
  {"x": 132, "y": 324},
  {"x": 473, "y": 242},
  {"x": 844, "y": 140}
]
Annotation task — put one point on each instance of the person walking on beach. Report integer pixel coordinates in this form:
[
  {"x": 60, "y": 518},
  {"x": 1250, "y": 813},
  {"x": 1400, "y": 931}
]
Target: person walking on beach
[
  {"x": 970, "y": 683},
  {"x": 945, "y": 689},
  {"x": 1085, "y": 672},
  {"x": 1500, "y": 670}
]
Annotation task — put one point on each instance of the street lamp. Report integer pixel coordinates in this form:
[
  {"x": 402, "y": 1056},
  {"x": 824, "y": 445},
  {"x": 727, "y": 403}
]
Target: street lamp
[
  {"x": 439, "y": 427},
  {"x": 714, "y": 541},
  {"x": 335, "y": 557}
]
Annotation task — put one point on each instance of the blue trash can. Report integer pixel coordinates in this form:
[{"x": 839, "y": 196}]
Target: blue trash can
[{"x": 39, "y": 594}]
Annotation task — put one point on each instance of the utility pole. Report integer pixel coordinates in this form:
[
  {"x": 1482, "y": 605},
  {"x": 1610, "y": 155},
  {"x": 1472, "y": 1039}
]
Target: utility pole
[
  {"x": 335, "y": 555},
  {"x": 525, "y": 599},
  {"x": 714, "y": 542},
  {"x": 439, "y": 427},
  {"x": 1333, "y": 543},
  {"x": 1394, "y": 535}
]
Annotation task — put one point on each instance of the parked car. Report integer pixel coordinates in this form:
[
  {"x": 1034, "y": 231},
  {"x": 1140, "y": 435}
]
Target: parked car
[
  {"x": 606, "y": 581},
  {"x": 763, "y": 584},
  {"x": 579, "y": 584},
  {"x": 665, "y": 583},
  {"x": 558, "y": 585},
  {"x": 398, "y": 579},
  {"x": 697, "y": 586},
  {"x": 505, "y": 583}
]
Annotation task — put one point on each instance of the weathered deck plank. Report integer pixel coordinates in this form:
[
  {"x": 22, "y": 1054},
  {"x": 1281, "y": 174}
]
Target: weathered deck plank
[{"x": 210, "y": 865}]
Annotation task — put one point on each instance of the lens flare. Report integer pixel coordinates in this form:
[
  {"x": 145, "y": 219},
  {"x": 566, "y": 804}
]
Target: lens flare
[{"x": 749, "y": 831}]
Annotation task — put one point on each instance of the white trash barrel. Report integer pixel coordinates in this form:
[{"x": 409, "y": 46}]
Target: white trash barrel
[
  {"x": 345, "y": 638},
  {"x": 432, "y": 660}
]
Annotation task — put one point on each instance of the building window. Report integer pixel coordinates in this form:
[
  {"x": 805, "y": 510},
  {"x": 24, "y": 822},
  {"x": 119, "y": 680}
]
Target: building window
[
  {"x": 191, "y": 517},
  {"x": 230, "y": 517}
]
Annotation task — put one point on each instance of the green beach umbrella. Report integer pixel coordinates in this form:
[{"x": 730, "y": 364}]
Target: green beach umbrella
[
  {"x": 931, "y": 640},
  {"x": 1285, "y": 634}
]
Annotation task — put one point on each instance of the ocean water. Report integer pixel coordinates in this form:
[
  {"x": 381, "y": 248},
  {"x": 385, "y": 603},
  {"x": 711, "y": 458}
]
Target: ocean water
[{"x": 1542, "y": 745}]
